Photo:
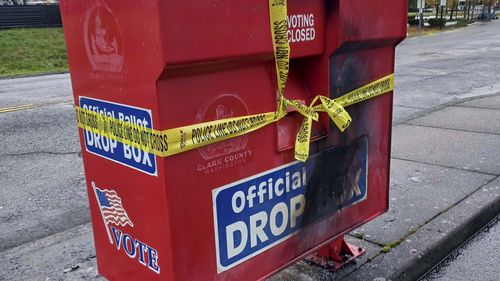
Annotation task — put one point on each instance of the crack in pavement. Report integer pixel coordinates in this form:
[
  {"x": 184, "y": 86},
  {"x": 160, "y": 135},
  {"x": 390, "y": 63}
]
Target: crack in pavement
[{"x": 79, "y": 153}]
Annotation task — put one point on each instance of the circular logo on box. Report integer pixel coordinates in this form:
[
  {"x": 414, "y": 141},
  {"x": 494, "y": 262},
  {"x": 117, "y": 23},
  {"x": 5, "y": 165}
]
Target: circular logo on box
[
  {"x": 103, "y": 41},
  {"x": 222, "y": 107}
]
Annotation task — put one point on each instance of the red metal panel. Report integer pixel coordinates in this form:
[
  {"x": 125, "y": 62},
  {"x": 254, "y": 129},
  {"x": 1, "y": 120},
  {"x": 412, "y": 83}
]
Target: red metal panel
[{"x": 175, "y": 63}]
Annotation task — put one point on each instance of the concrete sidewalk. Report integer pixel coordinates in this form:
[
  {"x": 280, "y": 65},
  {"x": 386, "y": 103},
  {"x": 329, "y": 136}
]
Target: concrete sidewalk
[{"x": 445, "y": 185}]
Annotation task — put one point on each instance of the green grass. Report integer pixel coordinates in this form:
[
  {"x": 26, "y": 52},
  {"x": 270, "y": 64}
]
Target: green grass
[
  {"x": 32, "y": 50},
  {"x": 456, "y": 15},
  {"x": 414, "y": 14}
]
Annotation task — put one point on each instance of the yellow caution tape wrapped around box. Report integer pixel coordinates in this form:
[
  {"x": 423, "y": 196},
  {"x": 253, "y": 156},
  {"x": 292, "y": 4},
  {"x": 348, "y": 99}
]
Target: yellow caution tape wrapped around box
[{"x": 177, "y": 140}]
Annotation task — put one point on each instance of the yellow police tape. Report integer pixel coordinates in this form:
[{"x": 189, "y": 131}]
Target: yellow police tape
[
  {"x": 173, "y": 141},
  {"x": 281, "y": 46}
]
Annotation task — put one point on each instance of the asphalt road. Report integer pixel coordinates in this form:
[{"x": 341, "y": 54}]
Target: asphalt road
[
  {"x": 42, "y": 187},
  {"x": 478, "y": 259},
  {"x": 41, "y": 175}
]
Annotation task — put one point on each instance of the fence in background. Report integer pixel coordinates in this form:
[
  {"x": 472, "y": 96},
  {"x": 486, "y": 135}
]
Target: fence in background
[{"x": 30, "y": 16}]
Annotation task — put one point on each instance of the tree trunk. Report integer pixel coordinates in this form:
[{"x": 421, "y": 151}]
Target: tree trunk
[
  {"x": 469, "y": 10},
  {"x": 489, "y": 9},
  {"x": 442, "y": 21},
  {"x": 452, "y": 8},
  {"x": 466, "y": 10}
]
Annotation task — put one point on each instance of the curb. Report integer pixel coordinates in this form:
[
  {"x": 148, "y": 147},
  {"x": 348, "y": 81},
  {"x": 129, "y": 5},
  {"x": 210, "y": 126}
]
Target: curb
[
  {"x": 452, "y": 240},
  {"x": 27, "y": 75},
  {"x": 436, "y": 239},
  {"x": 455, "y": 239}
]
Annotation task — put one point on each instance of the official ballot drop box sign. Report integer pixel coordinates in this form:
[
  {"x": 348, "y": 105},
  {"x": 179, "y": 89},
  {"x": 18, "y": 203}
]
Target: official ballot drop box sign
[{"x": 242, "y": 208}]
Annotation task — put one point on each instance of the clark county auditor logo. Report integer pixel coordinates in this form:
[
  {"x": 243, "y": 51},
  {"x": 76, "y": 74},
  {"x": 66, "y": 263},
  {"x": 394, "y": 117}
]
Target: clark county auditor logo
[
  {"x": 103, "y": 41},
  {"x": 222, "y": 107}
]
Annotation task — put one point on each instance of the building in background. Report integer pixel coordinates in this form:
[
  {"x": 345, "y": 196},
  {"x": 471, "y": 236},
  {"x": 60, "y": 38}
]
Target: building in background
[{"x": 27, "y": 2}]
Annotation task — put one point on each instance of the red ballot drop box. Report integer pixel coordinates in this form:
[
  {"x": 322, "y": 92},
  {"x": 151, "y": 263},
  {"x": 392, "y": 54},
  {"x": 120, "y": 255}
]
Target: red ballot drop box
[{"x": 242, "y": 208}]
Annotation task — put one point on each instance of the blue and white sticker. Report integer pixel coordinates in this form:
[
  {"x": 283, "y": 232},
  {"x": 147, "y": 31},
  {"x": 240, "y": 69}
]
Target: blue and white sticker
[
  {"x": 113, "y": 150},
  {"x": 259, "y": 212}
]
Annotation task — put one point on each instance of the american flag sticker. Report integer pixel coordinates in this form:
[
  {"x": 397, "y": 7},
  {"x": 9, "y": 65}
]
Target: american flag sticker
[{"x": 112, "y": 211}]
